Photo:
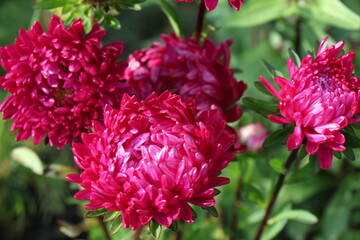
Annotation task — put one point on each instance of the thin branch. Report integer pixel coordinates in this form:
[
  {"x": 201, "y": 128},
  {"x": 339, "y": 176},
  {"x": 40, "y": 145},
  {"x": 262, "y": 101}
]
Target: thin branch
[
  {"x": 200, "y": 21},
  {"x": 277, "y": 189},
  {"x": 104, "y": 228}
]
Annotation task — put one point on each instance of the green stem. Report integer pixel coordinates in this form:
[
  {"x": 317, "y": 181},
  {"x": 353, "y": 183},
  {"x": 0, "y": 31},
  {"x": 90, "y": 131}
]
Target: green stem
[
  {"x": 104, "y": 228},
  {"x": 279, "y": 184}
]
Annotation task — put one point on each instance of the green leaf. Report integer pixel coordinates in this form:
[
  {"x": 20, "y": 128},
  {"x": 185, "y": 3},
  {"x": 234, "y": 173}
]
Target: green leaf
[
  {"x": 112, "y": 21},
  {"x": 277, "y": 165},
  {"x": 174, "y": 226},
  {"x": 260, "y": 106},
  {"x": 302, "y": 152},
  {"x": 28, "y": 158},
  {"x": 95, "y": 213},
  {"x": 212, "y": 210},
  {"x": 349, "y": 153},
  {"x": 295, "y": 57},
  {"x": 110, "y": 216},
  {"x": 171, "y": 15},
  {"x": 314, "y": 164},
  {"x": 99, "y": 15},
  {"x": 295, "y": 215},
  {"x": 193, "y": 213},
  {"x": 259, "y": 86},
  {"x": 351, "y": 141},
  {"x": 304, "y": 174},
  {"x": 332, "y": 12},
  {"x": 271, "y": 70},
  {"x": 278, "y": 137},
  {"x": 48, "y": 4},
  {"x": 155, "y": 229},
  {"x": 115, "y": 225},
  {"x": 253, "y": 194},
  {"x": 216, "y": 191},
  {"x": 258, "y": 12},
  {"x": 337, "y": 154}
]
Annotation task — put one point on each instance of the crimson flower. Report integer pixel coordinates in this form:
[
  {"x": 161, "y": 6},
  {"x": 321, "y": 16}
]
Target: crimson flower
[
  {"x": 321, "y": 99},
  {"x": 59, "y": 80},
  {"x": 152, "y": 158},
  {"x": 211, "y": 4},
  {"x": 189, "y": 70}
]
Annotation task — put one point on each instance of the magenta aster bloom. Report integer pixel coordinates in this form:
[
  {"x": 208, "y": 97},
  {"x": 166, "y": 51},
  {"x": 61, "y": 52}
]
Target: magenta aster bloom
[
  {"x": 211, "y": 4},
  {"x": 59, "y": 81},
  {"x": 189, "y": 70},
  {"x": 152, "y": 158},
  {"x": 320, "y": 99}
]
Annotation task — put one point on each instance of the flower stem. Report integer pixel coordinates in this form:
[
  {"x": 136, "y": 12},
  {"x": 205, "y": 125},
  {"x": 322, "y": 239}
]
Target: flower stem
[
  {"x": 137, "y": 233},
  {"x": 279, "y": 184},
  {"x": 297, "y": 38},
  {"x": 104, "y": 228},
  {"x": 200, "y": 21}
]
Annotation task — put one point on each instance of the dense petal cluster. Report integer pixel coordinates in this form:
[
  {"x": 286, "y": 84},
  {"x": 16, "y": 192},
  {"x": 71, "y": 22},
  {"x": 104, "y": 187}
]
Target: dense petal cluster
[
  {"x": 211, "y": 4},
  {"x": 59, "y": 80},
  {"x": 321, "y": 98},
  {"x": 189, "y": 70},
  {"x": 151, "y": 158}
]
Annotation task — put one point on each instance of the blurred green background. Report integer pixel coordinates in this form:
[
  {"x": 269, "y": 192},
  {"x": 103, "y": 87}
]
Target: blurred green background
[{"x": 320, "y": 206}]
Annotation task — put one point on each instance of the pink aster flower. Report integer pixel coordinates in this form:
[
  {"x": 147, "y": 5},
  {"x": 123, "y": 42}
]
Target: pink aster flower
[
  {"x": 152, "y": 158},
  {"x": 189, "y": 70},
  {"x": 320, "y": 99},
  {"x": 211, "y": 4},
  {"x": 253, "y": 136},
  {"x": 59, "y": 80}
]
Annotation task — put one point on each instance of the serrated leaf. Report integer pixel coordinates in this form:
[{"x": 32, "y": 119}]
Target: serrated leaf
[
  {"x": 314, "y": 164},
  {"x": 155, "y": 229},
  {"x": 171, "y": 15},
  {"x": 28, "y": 158},
  {"x": 49, "y": 4},
  {"x": 277, "y": 165},
  {"x": 115, "y": 225},
  {"x": 259, "y": 86},
  {"x": 258, "y": 12},
  {"x": 212, "y": 210},
  {"x": 302, "y": 216},
  {"x": 110, "y": 216},
  {"x": 95, "y": 213},
  {"x": 295, "y": 57},
  {"x": 260, "y": 106},
  {"x": 278, "y": 137}
]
